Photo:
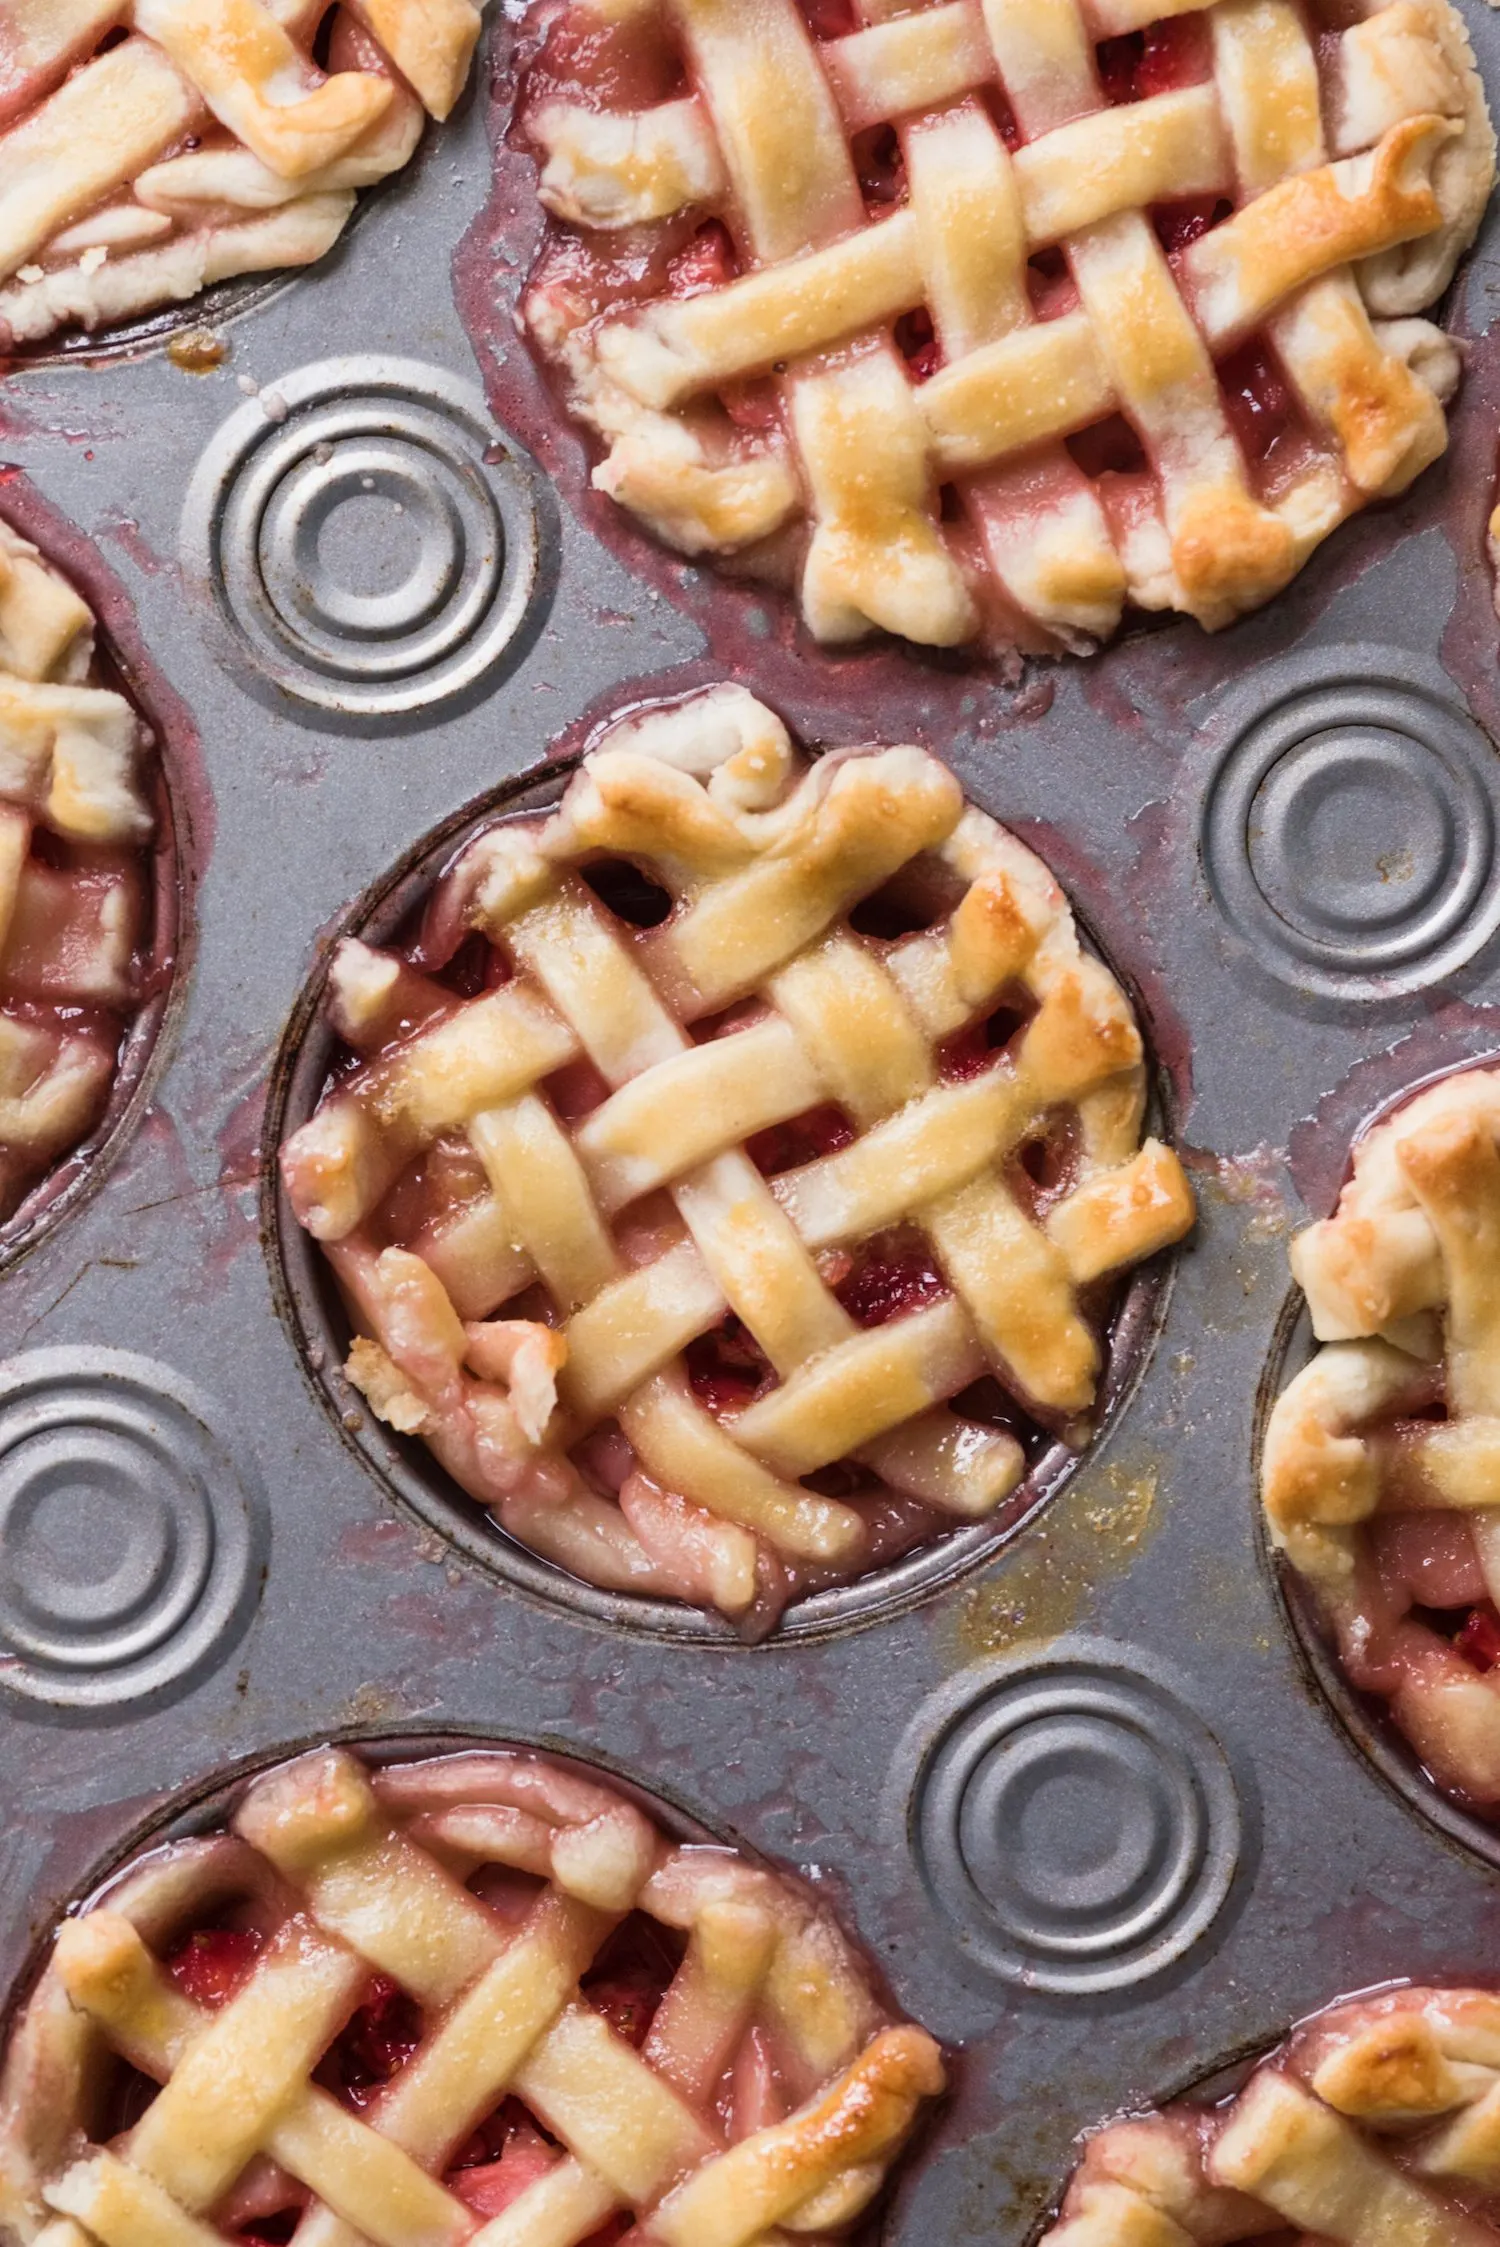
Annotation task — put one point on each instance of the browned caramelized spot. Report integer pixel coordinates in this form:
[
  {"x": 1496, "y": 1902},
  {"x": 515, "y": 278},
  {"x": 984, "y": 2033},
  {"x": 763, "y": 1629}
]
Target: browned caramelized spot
[{"x": 198, "y": 352}]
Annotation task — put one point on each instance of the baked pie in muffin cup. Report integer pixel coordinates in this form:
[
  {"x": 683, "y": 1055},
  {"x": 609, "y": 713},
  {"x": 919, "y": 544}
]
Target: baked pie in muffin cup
[
  {"x": 81, "y": 817},
  {"x": 730, "y": 1175},
  {"x": 1381, "y": 1461},
  {"x": 151, "y": 148},
  {"x": 982, "y": 321},
  {"x": 1376, "y": 2125},
  {"x": 477, "y": 2001}
]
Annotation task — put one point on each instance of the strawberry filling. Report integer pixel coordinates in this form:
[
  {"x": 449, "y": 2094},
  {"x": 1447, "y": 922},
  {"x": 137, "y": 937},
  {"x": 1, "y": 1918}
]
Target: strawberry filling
[
  {"x": 706, "y": 262},
  {"x": 890, "y": 1279},
  {"x": 726, "y": 1368},
  {"x": 829, "y": 19},
  {"x": 1479, "y": 1639},
  {"x": 1178, "y": 225},
  {"x": 879, "y": 166},
  {"x": 1162, "y": 60},
  {"x": 970, "y": 1051},
  {"x": 378, "y": 2042},
  {"x": 213, "y": 1963},
  {"x": 801, "y": 1139},
  {"x": 1259, "y": 401},
  {"x": 916, "y": 340},
  {"x": 627, "y": 1999}
]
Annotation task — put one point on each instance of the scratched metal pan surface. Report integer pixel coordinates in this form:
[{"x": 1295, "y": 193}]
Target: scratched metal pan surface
[{"x": 1082, "y": 1794}]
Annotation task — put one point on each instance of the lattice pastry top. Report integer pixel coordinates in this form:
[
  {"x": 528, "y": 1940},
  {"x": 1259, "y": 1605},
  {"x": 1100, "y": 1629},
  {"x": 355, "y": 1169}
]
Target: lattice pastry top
[
  {"x": 983, "y": 318},
  {"x": 1376, "y": 2125},
  {"x": 1382, "y": 1458},
  {"x": 684, "y": 1245},
  {"x": 149, "y": 148},
  {"x": 75, "y": 891},
  {"x": 480, "y": 2001}
]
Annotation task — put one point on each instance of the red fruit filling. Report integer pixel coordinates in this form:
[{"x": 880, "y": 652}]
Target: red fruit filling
[
  {"x": 889, "y": 1279},
  {"x": 212, "y": 1963},
  {"x": 706, "y": 262},
  {"x": 726, "y": 1367},
  {"x": 879, "y": 166},
  {"x": 829, "y": 19},
  {"x": 801, "y": 1139},
  {"x": 969, "y": 1052},
  {"x": 1110, "y": 448},
  {"x": 628, "y": 2001},
  {"x": 378, "y": 2042},
  {"x": 1179, "y": 224},
  {"x": 1160, "y": 61},
  {"x": 916, "y": 340},
  {"x": 1260, "y": 403},
  {"x": 1479, "y": 1640}
]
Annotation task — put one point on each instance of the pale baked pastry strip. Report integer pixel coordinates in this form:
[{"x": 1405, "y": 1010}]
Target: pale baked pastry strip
[
  {"x": 70, "y": 765},
  {"x": 205, "y": 144},
  {"x": 702, "y": 2134},
  {"x": 1376, "y": 2127},
  {"x": 1393, "y": 1429},
  {"x": 764, "y": 859},
  {"x": 1331, "y": 225}
]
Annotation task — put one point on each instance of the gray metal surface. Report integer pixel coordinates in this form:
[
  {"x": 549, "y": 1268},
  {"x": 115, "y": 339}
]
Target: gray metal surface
[{"x": 1308, "y": 927}]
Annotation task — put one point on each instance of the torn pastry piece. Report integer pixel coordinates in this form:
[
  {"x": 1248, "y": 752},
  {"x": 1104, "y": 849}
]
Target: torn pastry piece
[
  {"x": 151, "y": 148},
  {"x": 482, "y": 1999},
  {"x": 982, "y": 325},
  {"x": 76, "y": 892},
  {"x": 1381, "y": 1466},
  {"x": 1376, "y": 2125},
  {"x": 740, "y": 1165}
]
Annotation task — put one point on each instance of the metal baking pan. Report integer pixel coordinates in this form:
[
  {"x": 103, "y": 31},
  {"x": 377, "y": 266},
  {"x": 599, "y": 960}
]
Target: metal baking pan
[{"x": 1082, "y": 1794}]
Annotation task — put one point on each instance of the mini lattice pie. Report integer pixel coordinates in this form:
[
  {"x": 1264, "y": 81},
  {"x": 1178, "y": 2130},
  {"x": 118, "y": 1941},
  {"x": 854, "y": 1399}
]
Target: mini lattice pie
[
  {"x": 149, "y": 148},
  {"x": 1382, "y": 1458},
  {"x": 980, "y": 319},
  {"x": 75, "y": 873},
  {"x": 475, "y": 2002},
  {"x": 1376, "y": 2125},
  {"x": 738, "y": 1163}
]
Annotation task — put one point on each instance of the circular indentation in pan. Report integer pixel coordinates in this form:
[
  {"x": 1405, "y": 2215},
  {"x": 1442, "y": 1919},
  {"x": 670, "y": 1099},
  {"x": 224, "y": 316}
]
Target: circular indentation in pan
[
  {"x": 1076, "y": 1825},
  {"x": 131, "y": 1542},
  {"x": 1349, "y": 832},
  {"x": 308, "y": 1302},
  {"x": 370, "y": 545}
]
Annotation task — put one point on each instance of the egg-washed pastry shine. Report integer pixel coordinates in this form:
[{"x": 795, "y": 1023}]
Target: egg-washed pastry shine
[
  {"x": 149, "y": 148},
  {"x": 729, "y": 1243},
  {"x": 980, "y": 321}
]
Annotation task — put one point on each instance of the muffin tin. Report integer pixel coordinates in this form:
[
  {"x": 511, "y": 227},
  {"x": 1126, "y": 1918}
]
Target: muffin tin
[{"x": 1085, "y": 1796}]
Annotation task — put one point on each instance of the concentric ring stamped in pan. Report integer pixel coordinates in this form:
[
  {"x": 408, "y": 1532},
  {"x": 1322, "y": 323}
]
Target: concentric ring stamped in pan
[
  {"x": 369, "y": 545},
  {"x": 134, "y": 1534}
]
